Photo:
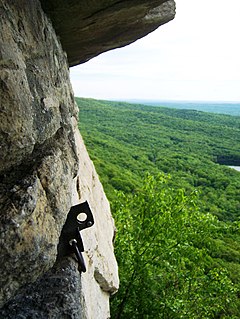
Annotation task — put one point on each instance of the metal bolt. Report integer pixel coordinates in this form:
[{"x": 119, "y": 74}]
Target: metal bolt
[{"x": 89, "y": 223}]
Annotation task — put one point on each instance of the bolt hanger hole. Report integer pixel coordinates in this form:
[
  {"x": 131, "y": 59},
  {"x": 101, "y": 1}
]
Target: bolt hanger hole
[{"x": 82, "y": 217}]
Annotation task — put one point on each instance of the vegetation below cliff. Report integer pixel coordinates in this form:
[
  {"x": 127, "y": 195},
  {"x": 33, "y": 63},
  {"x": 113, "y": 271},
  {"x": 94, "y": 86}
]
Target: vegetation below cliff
[
  {"x": 182, "y": 257},
  {"x": 125, "y": 141}
]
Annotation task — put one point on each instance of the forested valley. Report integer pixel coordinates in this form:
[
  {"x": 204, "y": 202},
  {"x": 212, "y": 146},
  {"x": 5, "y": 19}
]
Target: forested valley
[{"x": 176, "y": 205}]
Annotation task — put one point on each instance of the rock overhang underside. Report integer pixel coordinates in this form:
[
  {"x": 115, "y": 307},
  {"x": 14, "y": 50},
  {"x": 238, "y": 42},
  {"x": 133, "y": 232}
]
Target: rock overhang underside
[{"x": 87, "y": 28}]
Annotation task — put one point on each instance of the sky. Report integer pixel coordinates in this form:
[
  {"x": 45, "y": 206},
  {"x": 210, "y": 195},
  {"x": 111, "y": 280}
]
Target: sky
[{"x": 195, "y": 57}]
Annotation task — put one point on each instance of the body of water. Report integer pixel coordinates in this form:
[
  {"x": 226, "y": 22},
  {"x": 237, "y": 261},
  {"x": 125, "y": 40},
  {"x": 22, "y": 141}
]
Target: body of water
[{"x": 237, "y": 168}]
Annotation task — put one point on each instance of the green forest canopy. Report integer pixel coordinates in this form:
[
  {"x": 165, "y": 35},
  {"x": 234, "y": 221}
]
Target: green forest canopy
[{"x": 126, "y": 142}]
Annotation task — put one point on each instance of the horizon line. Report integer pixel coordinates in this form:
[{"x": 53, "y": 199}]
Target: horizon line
[{"x": 160, "y": 100}]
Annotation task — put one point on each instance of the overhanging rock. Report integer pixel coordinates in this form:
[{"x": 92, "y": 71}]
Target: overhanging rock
[{"x": 88, "y": 28}]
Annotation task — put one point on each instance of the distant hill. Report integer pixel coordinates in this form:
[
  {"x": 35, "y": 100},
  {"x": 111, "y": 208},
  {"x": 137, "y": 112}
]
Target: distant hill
[{"x": 231, "y": 108}]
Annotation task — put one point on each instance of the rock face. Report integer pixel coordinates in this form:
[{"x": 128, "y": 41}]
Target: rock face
[
  {"x": 38, "y": 153},
  {"x": 44, "y": 166},
  {"x": 88, "y": 28},
  {"x": 62, "y": 292}
]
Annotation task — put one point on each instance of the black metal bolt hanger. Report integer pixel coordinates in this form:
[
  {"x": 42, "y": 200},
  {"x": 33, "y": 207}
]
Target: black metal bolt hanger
[{"x": 79, "y": 217}]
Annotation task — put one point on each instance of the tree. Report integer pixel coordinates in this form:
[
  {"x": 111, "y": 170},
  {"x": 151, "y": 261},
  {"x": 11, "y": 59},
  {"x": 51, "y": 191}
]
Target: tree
[{"x": 163, "y": 247}]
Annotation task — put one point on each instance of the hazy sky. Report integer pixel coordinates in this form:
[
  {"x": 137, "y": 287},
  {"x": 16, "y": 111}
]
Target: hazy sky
[{"x": 196, "y": 56}]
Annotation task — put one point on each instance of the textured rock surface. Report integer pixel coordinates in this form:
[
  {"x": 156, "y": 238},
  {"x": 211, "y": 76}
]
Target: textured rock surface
[
  {"x": 90, "y": 27},
  {"x": 56, "y": 295},
  {"x": 62, "y": 292},
  {"x": 101, "y": 263},
  {"x": 38, "y": 154},
  {"x": 44, "y": 166},
  {"x": 42, "y": 177}
]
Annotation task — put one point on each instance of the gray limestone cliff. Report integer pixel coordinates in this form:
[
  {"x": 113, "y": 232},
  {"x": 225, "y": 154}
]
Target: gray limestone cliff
[{"x": 44, "y": 166}]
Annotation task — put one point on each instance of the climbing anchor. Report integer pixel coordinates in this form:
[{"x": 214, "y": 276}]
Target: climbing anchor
[{"x": 79, "y": 217}]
